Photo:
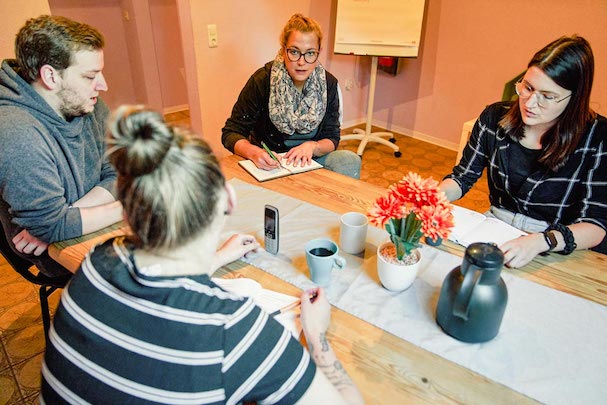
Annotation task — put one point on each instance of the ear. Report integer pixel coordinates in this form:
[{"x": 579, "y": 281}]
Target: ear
[
  {"x": 125, "y": 217},
  {"x": 231, "y": 198},
  {"x": 49, "y": 77}
]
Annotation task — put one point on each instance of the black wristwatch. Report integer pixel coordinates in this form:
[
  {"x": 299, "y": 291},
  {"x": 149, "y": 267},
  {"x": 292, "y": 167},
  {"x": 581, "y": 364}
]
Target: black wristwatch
[{"x": 550, "y": 239}]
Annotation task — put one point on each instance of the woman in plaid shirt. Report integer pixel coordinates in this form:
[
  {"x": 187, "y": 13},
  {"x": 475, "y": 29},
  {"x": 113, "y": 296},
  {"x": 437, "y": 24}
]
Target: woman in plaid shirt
[{"x": 545, "y": 155}]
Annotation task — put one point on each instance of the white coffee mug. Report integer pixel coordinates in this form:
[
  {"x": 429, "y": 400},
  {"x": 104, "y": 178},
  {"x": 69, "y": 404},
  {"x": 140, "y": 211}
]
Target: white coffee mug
[
  {"x": 322, "y": 256},
  {"x": 353, "y": 232}
]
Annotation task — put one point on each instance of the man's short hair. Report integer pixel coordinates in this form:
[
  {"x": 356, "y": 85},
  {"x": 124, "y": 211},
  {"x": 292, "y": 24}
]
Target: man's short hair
[{"x": 52, "y": 40}]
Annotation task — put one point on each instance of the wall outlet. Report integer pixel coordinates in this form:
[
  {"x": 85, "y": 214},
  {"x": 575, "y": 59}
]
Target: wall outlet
[
  {"x": 349, "y": 84},
  {"x": 212, "y": 32}
]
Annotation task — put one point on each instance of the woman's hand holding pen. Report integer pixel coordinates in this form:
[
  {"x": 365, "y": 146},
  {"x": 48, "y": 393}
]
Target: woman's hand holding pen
[
  {"x": 262, "y": 159},
  {"x": 315, "y": 312}
]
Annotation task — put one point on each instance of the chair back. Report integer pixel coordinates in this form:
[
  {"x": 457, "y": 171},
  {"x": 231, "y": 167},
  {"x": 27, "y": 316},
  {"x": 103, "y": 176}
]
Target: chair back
[
  {"x": 17, "y": 262},
  {"x": 509, "y": 93},
  {"x": 47, "y": 284},
  {"x": 341, "y": 105},
  {"x": 23, "y": 266}
]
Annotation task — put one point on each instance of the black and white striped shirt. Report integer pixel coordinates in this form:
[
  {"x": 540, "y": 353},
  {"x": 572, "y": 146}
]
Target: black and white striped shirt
[{"x": 120, "y": 336}]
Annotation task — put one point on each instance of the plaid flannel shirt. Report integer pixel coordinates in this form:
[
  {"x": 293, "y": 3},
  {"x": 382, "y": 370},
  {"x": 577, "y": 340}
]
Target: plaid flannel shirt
[{"x": 577, "y": 192}]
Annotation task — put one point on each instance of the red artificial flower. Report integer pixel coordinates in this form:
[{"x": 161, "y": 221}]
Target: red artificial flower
[
  {"x": 385, "y": 208},
  {"x": 412, "y": 194},
  {"x": 417, "y": 191},
  {"x": 437, "y": 221}
]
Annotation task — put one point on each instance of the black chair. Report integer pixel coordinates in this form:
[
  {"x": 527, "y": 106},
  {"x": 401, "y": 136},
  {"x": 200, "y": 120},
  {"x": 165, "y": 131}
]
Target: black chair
[{"x": 47, "y": 284}]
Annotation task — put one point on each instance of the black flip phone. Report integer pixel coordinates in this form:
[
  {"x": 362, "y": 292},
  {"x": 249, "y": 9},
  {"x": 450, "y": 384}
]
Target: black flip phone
[{"x": 270, "y": 224}]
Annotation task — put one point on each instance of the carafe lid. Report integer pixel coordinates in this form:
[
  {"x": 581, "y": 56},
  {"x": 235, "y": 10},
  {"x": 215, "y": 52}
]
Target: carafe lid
[{"x": 484, "y": 255}]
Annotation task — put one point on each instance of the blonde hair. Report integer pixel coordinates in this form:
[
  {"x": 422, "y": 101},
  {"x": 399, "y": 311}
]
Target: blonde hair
[
  {"x": 298, "y": 22},
  {"x": 169, "y": 181}
]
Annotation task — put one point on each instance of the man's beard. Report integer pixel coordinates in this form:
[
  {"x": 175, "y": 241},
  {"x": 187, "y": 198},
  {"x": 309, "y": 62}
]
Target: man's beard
[{"x": 71, "y": 104}]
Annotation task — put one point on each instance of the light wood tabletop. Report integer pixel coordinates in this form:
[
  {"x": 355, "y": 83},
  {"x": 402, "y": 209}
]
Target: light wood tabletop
[{"x": 386, "y": 368}]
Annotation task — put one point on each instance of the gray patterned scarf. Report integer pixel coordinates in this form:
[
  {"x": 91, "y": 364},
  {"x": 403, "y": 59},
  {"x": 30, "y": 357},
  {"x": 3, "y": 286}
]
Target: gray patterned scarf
[{"x": 290, "y": 110}]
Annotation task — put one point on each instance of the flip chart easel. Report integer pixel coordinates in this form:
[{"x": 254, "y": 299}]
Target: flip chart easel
[{"x": 377, "y": 28}]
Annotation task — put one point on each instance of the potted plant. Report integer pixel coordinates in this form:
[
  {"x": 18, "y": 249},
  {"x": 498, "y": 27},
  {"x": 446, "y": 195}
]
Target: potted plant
[{"x": 412, "y": 208}]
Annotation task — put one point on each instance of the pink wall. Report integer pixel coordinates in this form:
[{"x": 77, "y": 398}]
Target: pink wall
[
  {"x": 143, "y": 52},
  {"x": 469, "y": 50},
  {"x": 13, "y": 16},
  {"x": 247, "y": 38},
  {"x": 169, "y": 53}
]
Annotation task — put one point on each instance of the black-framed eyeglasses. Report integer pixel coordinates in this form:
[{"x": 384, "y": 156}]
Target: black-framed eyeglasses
[
  {"x": 295, "y": 55},
  {"x": 525, "y": 90}
]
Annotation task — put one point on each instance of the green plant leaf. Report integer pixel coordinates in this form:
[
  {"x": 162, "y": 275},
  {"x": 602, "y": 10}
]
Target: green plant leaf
[{"x": 405, "y": 233}]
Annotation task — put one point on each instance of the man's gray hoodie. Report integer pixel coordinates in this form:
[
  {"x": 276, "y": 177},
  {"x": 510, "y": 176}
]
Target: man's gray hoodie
[{"x": 46, "y": 162}]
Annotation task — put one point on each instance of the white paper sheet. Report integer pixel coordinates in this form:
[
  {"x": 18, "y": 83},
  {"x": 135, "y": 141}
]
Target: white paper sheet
[
  {"x": 471, "y": 226},
  {"x": 270, "y": 301}
]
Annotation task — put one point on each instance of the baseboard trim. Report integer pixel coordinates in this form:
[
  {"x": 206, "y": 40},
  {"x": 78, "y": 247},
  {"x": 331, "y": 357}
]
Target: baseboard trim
[
  {"x": 406, "y": 132},
  {"x": 175, "y": 108}
]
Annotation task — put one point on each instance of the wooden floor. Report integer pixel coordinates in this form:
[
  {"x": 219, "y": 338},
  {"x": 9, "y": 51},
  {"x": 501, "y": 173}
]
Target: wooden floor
[
  {"x": 21, "y": 335},
  {"x": 382, "y": 168}
]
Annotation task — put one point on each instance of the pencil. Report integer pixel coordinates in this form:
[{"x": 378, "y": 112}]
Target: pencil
[{"x": 292, "y": 305}]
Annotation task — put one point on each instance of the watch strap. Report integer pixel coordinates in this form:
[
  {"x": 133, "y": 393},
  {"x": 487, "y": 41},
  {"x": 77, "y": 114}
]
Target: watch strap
[{"x": 570, "y": 244}]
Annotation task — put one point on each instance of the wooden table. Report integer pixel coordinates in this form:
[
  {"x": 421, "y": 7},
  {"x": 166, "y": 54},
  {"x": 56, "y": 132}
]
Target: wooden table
[{"x": 388, "y": 369}]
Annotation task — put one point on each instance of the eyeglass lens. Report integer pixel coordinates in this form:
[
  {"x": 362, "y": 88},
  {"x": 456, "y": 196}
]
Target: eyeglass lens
[
  {"x": 525, "y": 91},
  {"x": 294, "y": 55}
]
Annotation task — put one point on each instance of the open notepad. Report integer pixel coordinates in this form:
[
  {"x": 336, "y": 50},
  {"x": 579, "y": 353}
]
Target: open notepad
[
  {"x": 471, "y": 226},
  {"x": 270, "y": 301},
  {"x": 285, "y": 170}
]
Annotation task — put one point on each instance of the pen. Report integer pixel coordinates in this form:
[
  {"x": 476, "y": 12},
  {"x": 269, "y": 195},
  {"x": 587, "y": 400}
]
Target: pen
[
  {"x": 272, "y": 155},
  {"x": 292, "y": 305}
]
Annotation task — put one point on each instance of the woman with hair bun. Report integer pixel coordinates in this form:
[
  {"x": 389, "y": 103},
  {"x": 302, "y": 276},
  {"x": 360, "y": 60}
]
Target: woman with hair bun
[
  {"x": 142, "y": 321},
  {"x": 545, "y": 157}
]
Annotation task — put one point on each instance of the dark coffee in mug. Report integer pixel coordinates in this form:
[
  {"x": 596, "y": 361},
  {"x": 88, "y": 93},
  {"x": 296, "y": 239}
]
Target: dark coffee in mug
[{"x": 321, "y": 251}]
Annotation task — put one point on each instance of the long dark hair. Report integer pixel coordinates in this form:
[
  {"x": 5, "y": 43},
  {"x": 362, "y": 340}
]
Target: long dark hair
[{"x": 569, "y": 62}]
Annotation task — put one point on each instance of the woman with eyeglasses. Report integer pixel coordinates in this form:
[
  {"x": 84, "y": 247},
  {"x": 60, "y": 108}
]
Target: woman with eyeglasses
[
  {"x": 545, "y": 156},
  {"x": 292, "y": 105}
]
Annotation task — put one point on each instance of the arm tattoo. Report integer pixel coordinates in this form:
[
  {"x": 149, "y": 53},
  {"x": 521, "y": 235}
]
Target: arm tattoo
[
  {"x": 324, "y": 342},
  {"x": 330, "y": 366},
  {"x": 337, "y": 375}
]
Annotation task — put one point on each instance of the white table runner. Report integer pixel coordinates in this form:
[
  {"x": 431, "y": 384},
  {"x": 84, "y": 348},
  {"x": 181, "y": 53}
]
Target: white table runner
[{"x": 551, "y": 345}]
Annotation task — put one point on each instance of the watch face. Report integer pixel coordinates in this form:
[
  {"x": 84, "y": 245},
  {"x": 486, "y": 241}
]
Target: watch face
[{"x": 550, "y": 239}]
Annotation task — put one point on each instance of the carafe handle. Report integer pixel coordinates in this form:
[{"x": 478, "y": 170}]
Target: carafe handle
[{"x": 461, "y": 305}]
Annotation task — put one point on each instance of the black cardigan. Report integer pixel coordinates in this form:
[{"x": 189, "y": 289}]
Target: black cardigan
[{"x": 250, "y": 117}]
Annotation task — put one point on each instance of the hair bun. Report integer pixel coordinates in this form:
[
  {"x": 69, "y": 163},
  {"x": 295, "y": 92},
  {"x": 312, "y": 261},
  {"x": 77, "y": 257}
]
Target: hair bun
[{"x": 139, "y": 140}]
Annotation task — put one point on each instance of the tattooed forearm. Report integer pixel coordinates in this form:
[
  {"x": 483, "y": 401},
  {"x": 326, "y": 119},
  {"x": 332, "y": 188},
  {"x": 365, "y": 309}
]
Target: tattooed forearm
[
  {"x": 324, "y": 342},
  {"x": 324, "y": 345},
  {"x": 337, "y": 375},
  {"x": 327, "y": 362}
]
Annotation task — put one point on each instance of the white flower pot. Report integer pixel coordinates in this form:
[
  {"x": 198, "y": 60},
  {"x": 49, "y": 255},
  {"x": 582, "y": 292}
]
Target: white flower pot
[{"x": 396, "y": 276}]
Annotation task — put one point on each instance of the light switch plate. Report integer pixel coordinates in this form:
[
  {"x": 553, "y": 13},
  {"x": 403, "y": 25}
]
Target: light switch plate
[{"x": 212, "y": 32}]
